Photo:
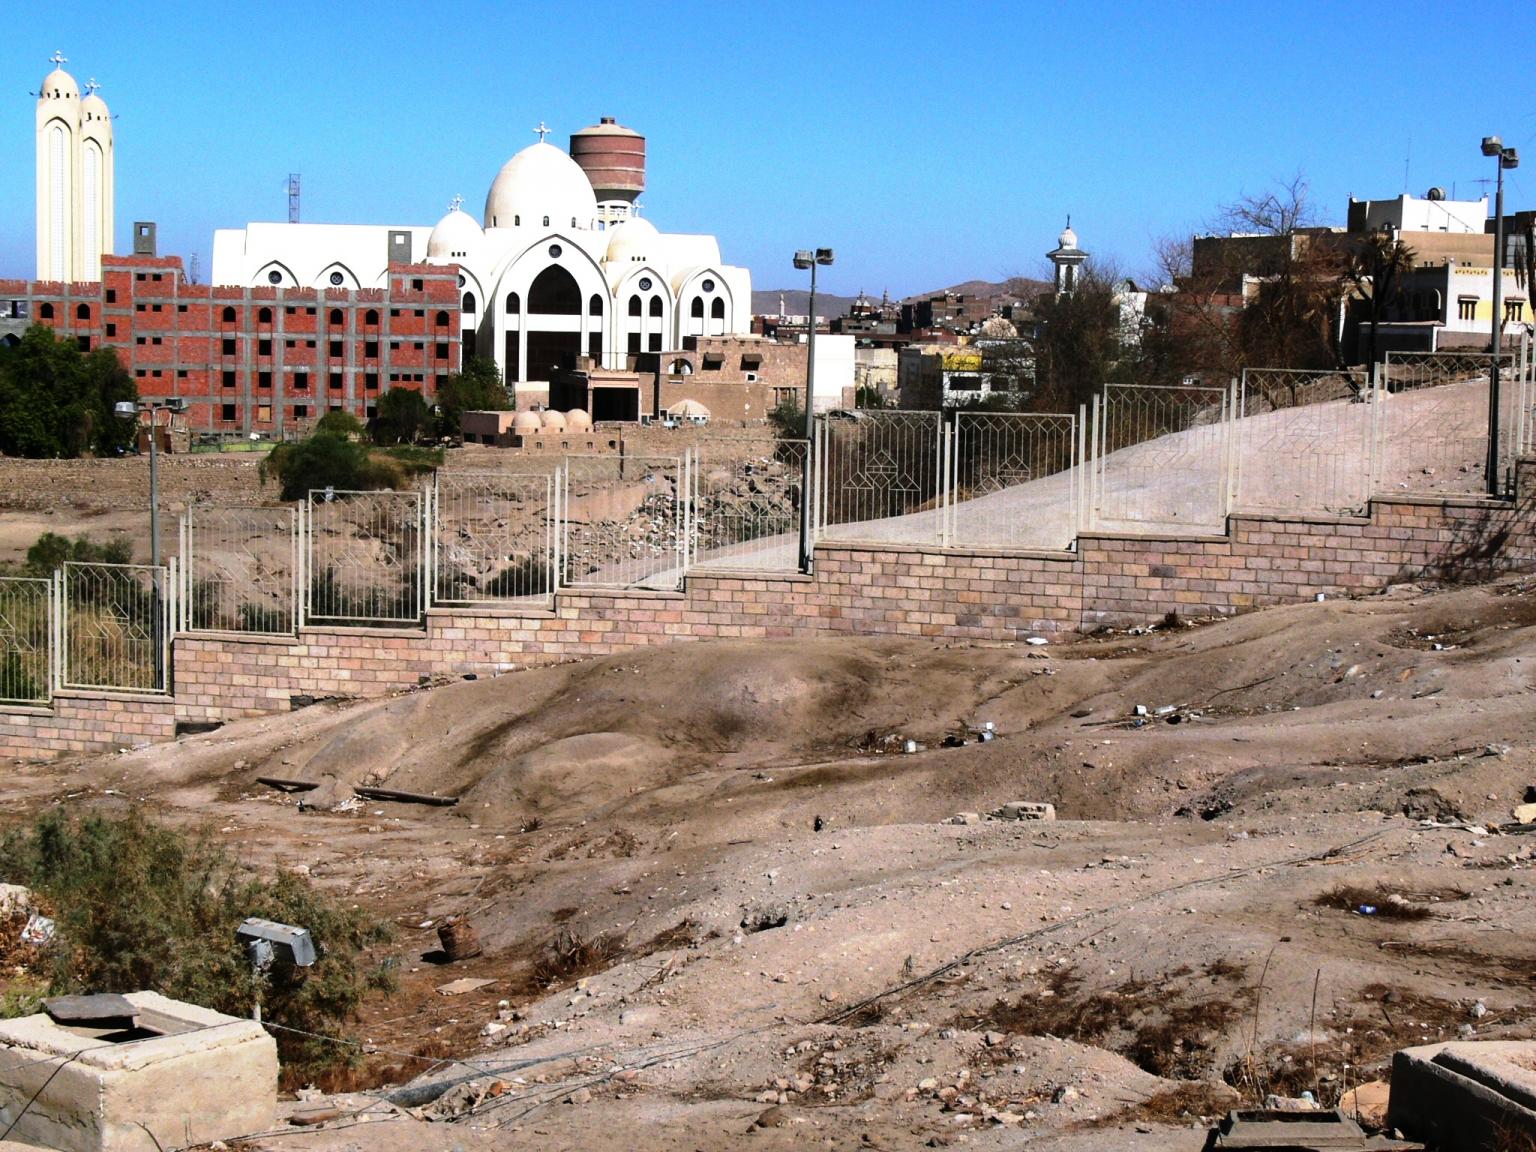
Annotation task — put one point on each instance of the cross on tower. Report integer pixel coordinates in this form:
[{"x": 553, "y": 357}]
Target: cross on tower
[
  {"x": 455, "y": 203},
  {"x": 542, "y": 131},
  {"x": 91, "y": 86},
  {"x": 58, "y": 59}
]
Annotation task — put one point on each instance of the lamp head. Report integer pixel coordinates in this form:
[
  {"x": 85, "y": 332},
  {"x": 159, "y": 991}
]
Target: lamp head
[
  {"x": 804, "y": 259},
  {"x": 823, "y": 255},
  {"x": 125, "y": 409},
  {"x": 1492, "y": 145},
  {"x": 1509, "y": 158}
]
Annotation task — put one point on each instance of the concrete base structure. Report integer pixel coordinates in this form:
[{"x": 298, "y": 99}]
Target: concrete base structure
[
  {"x": 1466, "y": 1096},
  {"x": 186, "y": 1074}
]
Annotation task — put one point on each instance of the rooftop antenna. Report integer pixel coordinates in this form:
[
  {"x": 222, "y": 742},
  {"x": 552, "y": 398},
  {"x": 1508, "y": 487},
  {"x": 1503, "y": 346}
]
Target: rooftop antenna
[
  {"x": 293, "y": 197},
  {"x": 192, "y": 272}
]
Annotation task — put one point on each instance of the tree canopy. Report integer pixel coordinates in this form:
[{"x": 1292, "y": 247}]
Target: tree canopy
[
  {"x": 57, "y": 401},
  {"x": 478, "y": 388}
]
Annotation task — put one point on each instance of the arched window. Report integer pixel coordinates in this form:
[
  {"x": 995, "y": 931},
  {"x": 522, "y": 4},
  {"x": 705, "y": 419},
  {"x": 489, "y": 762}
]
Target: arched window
[
  {"x": 681, "y": 367},
  {"x": 468, "y": 303},
  {"x": 595, "y": 306},
  {"x": 82, "y": 312},
  {"x": 514, "y": 303},
  {"x": 655, "y": 305},
  {"x": 634, "y": 305},
  {"x": 441, "y": 320},
  {"x": 717, "y": 309},
  {"x": 371, "y": 317},
  {"x": 517, "y": 221},
  {"x": 337, "y": 317},
  {"x": 696, "y": 309},
  {"x": 573, "y": 221},
  {"x": 229, "y": 315},
  {"x": 45, "y": 311},
  {"x": 264, "y": 316},
  {"x": 554, "y": 292},
  {"x": 546, "y": 221}
]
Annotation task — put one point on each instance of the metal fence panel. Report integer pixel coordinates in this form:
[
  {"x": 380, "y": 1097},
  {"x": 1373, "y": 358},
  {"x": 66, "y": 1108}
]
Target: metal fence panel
[
  {"x": 364, "y": 557},
  {"x": 747, "y": 505},
  {"x": 26, "y": 640},
  {"x": 1434, "y": 422},
  {"x": 493, "y": 537},
  {"x": 623, "y": 522},
  {"x": 1014, "y": 481},
  {"x": 882, "y": 477},
  {"x": 116, "y": 627},
  {"x": 1162, "y": 459},
  {"x": 240, "y": 570},
  {"x": 1304, "y": 440}
]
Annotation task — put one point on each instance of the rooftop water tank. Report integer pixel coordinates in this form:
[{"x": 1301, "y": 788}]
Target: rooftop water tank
[{"x": 613, "y": 157}]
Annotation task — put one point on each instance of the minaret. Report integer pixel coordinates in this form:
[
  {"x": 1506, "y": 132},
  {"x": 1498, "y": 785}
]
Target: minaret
[
  {"x": 1066, "y": 256},
  {"x": 74, "y": 178}
]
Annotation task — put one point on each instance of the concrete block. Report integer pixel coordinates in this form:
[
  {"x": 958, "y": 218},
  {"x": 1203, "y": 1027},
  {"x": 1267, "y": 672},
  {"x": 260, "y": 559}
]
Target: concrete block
[
  {"x": 1024, "y": 810},
  {"x": 1465, "y": 1096},
  {"x": 188, "y": 1074}
]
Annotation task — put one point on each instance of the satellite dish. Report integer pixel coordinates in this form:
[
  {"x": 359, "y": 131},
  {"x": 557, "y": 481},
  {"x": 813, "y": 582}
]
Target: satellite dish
[{"x": 1437, "y": 193}]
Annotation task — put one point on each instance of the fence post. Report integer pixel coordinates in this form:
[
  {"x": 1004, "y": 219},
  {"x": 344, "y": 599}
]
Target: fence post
[
  {"x": 301, "y": 566},
  {"x": 55, "y": 633},
  {"x": 168, "y": 615},
  {"x": 946, "y": 459}
]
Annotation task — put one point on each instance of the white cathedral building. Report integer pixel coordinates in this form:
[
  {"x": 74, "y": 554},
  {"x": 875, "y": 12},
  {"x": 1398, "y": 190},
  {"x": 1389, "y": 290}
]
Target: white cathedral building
[
  {"x": 559, "y": 266},
  {"x": 74, "y": 178}
]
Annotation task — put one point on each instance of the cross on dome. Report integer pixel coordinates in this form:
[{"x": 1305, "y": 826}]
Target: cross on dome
[
  {"x": 58, "y": 59},
  {"x": 91, "y": 86},
  {"x": 456, "y": 203},
  {"x": 542, "y": 131}
]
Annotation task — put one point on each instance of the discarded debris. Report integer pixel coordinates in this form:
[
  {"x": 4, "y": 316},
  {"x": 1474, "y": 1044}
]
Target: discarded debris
[
  {"x": 38, "y": 931},
  {"x": 462, "y": 985},
  {"x": 1024, "y": 810},
  {"x": 102, "y": 1010},
  {"x": 459, "y": 939},
  {"x": 407, "y": 797},
  {"x": 283, "y": 785}
]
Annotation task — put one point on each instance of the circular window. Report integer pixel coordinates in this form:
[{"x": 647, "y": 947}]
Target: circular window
[
  {"x": 461, "y": 279},
  {"x": 708, "y": 285},
  {"x": 645, "y": 283},
  {"x": 337, "y": 279},
  {"x": 555, "y": 250},
  {"x": 274, "y": 277}
]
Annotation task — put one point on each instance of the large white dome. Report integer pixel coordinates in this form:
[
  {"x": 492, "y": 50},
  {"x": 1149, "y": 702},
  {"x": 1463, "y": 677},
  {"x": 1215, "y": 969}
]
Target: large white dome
[
  {"x": 59, "y": 83},
  {"x": 455, "y": 237},
  {"x": 540, "y": 183}
]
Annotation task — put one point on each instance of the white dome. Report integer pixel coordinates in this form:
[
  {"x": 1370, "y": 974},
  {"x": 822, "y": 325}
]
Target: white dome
[
  {"x": 455, "y": 236},
  {"x": 1067, "y": 239},
  {"x": 577, "y": 420},
  {"x": 526, "y": 423},
  {"x": 540, "y": 181},
  {"x": 93, "y": 107},
  {"x": 60, "y": 83},
  {"x": 633, "y": 241},
  {"x": 552, "y": 419}
]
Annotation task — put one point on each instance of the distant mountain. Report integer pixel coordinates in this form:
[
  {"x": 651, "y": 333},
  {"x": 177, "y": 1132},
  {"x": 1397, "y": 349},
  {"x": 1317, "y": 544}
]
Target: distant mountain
[{"x": 766, "y": 303}]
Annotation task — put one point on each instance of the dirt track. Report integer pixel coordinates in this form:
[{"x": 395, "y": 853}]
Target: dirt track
[{"x": 1163, "y": 936}]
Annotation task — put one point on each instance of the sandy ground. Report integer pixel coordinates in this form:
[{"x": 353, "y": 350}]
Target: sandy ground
[{"x": 1109, "y": 980}]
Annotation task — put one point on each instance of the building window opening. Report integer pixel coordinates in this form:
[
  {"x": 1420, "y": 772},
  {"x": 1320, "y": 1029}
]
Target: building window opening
[
  {"x": 45, "y": 311},
  {"x": 554, "y": 292},
  {"x": 696, "y": 309},
  {"x": 634, "y": 306},
  {"x": 595, "y": 306},
  {"x": 655, "y": 305},
  {"x": 468, "y": 303},
  {"x": 717, "y": 309},
  {"x": 229, "y": 316},
  {"x": 83, "y": 312},
  {"x": 514, "y": 304}
]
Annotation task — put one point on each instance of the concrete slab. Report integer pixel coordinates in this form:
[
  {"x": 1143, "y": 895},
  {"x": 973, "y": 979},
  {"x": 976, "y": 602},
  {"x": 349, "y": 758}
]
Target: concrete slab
[
  {"x": 187, "y": 1074},
  {"x": 1465, "y": 1096}
]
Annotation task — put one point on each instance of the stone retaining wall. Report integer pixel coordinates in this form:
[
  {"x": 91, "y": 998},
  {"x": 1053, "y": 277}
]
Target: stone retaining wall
[{"x": 1112, "y": 580}]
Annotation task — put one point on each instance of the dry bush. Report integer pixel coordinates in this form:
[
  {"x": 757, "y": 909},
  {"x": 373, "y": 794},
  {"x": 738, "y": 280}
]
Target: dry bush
[
  {"x": 1350, "y": 898},
  {"x": 570, "y": 957}
]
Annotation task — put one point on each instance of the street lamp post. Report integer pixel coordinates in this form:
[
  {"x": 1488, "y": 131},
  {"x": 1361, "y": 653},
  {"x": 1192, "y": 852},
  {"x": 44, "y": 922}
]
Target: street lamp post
[
  {"x": 1504, "y": 158},
  {"x": 129, "y": 409},
  {"x": 807, "y": 258}
]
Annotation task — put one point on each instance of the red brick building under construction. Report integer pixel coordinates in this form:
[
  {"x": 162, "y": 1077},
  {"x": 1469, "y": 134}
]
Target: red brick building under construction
[{"x": 253, "y": 359}]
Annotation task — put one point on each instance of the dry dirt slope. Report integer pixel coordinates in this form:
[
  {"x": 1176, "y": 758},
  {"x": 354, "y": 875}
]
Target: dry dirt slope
[{"x": 895, "y": 978}]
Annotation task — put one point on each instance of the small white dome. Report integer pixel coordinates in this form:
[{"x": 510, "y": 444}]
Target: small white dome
[
  {"x": 577, "y": 420},
  {"x": 59, "y": 83},
  {"x": 998, "y": 328},
  {"x": 540, "y": 182},
  {"x": 633, "y": 241},
  {"x": 526, "y": 423},
  {"x": 1067, "y": 239},
  {"x": 552, "y": 419},
  {"x": 455, "y": 236}
]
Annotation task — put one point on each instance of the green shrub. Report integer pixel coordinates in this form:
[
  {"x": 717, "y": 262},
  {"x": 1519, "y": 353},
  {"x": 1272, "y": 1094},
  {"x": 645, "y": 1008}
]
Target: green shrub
[
  {"x": 341, "y": 423},
  {"x": 50, "y": 551},
  {"x": 141, "y": 906}
]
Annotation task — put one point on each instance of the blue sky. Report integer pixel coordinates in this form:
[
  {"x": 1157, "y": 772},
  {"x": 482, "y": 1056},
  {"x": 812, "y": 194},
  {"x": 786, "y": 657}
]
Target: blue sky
[{"x": 928, "y": 143}]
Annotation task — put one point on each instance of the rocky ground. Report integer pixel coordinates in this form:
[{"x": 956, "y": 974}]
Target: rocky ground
[{"x": 740, "y": 914}]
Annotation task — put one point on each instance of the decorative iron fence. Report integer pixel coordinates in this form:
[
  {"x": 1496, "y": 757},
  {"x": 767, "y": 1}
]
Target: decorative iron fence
[
  {"x": 1432, "y": 436},
  {"x": 880, "y": 477},
  {"x": 363, "y": 558},
  {"x": 240, "y": 570},
  {"x": 493, "y": 537},
  {"x": 1305, "y": 440},
  {"x": 747, "y": 503},
  {"x": 1014, "y": 482},
  {"x": 116, "y": 626},
  {"x": 1161, "y": 458},
  {"x": 26, "y": 640},
  {"x": 624, "y": 521}
]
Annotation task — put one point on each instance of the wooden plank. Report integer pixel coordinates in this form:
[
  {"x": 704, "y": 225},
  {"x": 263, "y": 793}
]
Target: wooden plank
[{"x": 406, "y": 797}]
